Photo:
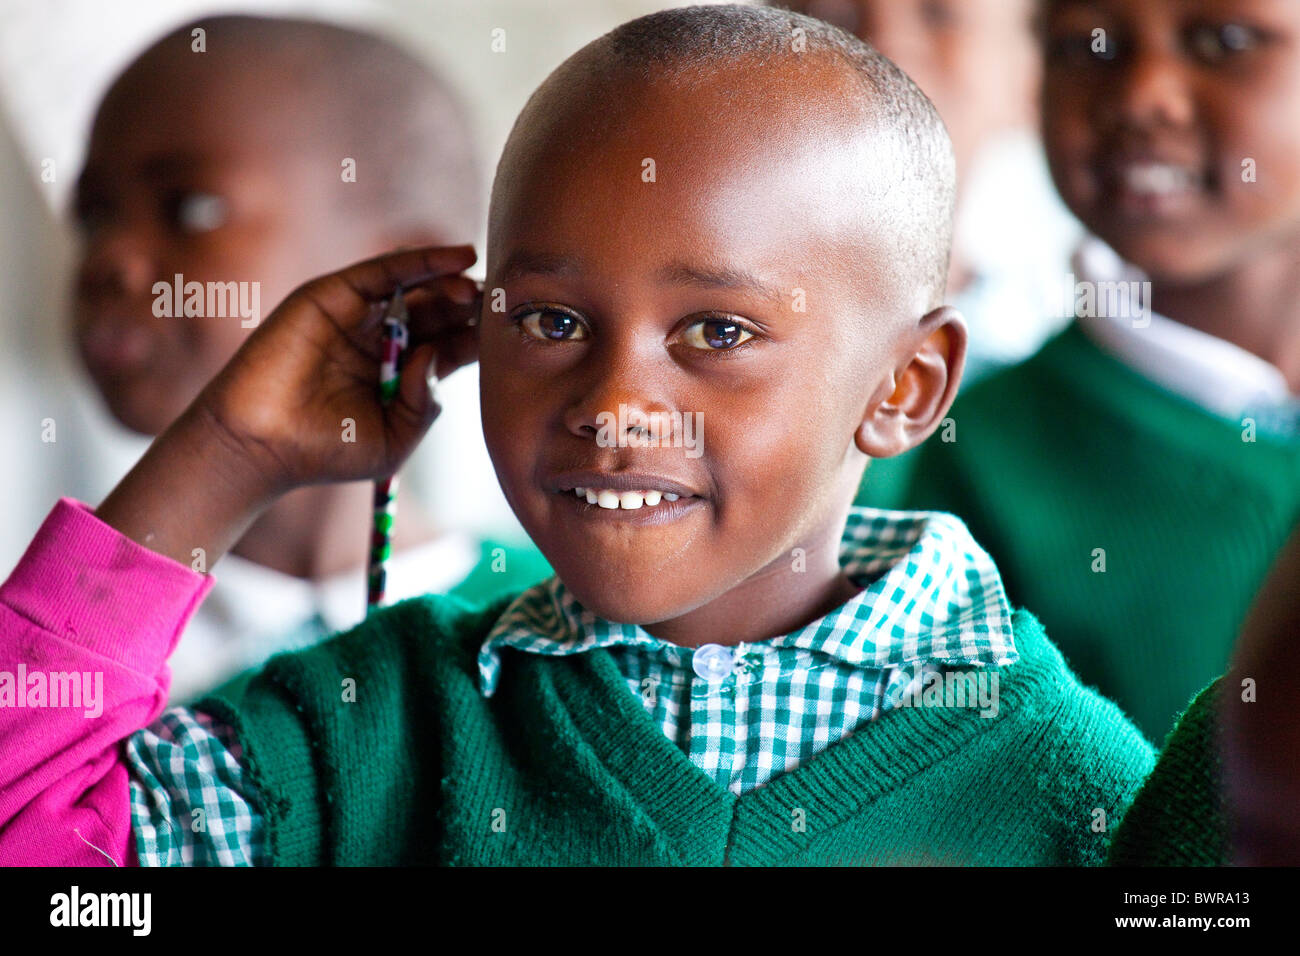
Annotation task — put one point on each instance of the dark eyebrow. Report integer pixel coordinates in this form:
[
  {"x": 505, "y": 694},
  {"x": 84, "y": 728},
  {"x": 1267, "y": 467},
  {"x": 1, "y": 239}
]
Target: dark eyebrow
[
  {"x": 679, "y": 273},
  {"x": 159, "y": 167},
  {"x": 522, "y": 262},
  {"x": 162, "y": 166}
]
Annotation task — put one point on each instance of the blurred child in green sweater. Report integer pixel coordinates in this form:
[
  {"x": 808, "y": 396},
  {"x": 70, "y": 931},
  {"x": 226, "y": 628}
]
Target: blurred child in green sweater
[
  {"x": 244, "y": 167},
  {"x": 1137, "y": 477}
]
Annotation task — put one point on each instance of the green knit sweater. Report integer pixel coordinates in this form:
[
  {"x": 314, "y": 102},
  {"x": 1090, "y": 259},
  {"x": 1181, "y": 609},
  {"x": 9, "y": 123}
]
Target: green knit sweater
[
  {"x": 1180, "y": 816},
  {"x": 502, "y": 569},
  {"x": 562, "y": 765},
  {"x": 1071, "y": 459}
]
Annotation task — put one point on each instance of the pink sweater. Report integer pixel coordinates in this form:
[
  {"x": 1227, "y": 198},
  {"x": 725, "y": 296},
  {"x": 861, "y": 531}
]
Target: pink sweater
[{"x": 83, "y": 599}]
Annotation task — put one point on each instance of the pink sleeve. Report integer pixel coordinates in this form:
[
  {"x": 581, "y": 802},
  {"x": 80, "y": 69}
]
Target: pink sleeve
[{"x": 87, "y": 620}]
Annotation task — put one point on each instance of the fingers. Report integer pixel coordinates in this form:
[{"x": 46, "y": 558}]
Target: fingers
[
  {"x": 415, "y": 389},
  {"x": 441, "y": 306},
  {"x": 455, "y": 349},
  {"x": 433, "y": 360},
  {"x": 347, "y": 295}
]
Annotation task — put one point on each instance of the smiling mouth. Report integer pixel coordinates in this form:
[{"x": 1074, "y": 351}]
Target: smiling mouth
[
  {"x": 627, "y": 496},
  {"x": 610, "y": 499},
  {"x": 115, "y": 347},
  {"x": 1158, "y": 179},
  {"x": 639, "y": 507},
  {"x": 1151, "y": 187}
]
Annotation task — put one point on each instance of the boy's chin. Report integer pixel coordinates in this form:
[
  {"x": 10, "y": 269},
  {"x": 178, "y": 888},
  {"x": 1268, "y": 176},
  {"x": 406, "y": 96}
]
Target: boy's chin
[
  {"x": 617, "y": 605},
  {"x": 144, "y": 415},
  {"x": 1172, "y": 260}
]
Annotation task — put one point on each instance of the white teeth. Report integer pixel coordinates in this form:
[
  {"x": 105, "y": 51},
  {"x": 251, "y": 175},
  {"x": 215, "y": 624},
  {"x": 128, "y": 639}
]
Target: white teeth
[
  {"x": 1157, "y": 178},
  {"x": 626, "y": 500}
]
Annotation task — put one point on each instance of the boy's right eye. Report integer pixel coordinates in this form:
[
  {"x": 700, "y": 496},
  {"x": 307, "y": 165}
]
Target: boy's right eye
[{"x": 552, "y": 325}]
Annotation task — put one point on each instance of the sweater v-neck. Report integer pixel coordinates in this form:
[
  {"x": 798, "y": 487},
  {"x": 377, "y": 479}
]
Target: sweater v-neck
[{"x": 706, "y": 824}]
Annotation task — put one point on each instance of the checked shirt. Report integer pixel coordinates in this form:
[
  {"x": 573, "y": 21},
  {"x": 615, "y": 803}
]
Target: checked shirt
[{"x": 931, "y": 599}]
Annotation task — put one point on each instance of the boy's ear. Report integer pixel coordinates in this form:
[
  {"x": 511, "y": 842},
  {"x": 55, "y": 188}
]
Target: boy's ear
[{"x": 923, "y": 389}]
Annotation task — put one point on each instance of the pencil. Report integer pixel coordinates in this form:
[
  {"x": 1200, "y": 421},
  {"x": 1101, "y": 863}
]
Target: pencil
[{"x": 385, "y": 508}]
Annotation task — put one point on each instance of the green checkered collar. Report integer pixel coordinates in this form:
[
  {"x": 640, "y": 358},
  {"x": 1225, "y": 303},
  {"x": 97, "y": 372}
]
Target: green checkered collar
[{"x": 930, "y": 594}]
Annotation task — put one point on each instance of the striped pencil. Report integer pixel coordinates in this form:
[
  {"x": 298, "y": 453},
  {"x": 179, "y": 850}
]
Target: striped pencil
[{"x": 385, "y": 511}]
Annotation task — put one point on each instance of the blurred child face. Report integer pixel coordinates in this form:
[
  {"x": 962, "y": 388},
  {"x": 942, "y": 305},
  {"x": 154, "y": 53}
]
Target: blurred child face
[
  {"x": 974, "y": 59},
  {"x": 677, "y": 297},
  {"x": 194, "y": 168},
  {"x": 1149, "y": 137}
]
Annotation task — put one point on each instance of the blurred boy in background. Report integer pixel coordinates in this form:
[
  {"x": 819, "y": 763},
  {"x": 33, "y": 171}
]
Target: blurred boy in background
[
  {"x": 250, "y": 163},
  {"x": 1136, "y": 479},
  {"x": 979, "y": 63}
]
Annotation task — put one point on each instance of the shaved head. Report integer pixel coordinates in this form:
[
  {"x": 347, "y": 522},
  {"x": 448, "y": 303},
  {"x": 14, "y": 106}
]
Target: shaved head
[
  {"x": 342, "y": 93},
  {"x": 860, "y": 117}
]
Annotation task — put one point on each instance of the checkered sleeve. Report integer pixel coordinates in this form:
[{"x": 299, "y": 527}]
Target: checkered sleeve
[{"x": 192, "y": 803}]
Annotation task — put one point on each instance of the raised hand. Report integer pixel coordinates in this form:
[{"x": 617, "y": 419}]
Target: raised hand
[{"x": 299, "y": 403}]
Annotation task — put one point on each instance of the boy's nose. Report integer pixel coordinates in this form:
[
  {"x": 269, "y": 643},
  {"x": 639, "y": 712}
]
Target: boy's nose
[
  {"x": 113, "y": 263},
  {"x": 1153, "y": 91},
  {"x": 621, "y": 413}
]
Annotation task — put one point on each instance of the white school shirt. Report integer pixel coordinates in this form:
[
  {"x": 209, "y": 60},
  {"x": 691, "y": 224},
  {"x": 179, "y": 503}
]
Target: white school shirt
[{"x": 1212, "y": 373}]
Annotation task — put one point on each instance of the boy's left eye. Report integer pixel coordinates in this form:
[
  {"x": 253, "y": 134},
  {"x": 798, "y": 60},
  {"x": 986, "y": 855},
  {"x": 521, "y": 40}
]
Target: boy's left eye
[
  {"x": 940, "y": 14},
  {"x": 716, "y": 335},
  {"x": 196, "y": 212},
  {"x": 1215, "y": 42}
]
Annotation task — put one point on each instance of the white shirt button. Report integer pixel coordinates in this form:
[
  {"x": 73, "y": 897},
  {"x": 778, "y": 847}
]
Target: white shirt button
[{"x": 713, "y": 662}]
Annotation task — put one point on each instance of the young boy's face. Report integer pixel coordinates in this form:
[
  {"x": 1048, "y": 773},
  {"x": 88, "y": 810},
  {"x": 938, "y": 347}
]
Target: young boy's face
[
  {"x": 1174, "y": 135},
  {"x": 198, "y": 168},
  {"x": 698, "y": 253},
  {"x": 975, "y": 59}
]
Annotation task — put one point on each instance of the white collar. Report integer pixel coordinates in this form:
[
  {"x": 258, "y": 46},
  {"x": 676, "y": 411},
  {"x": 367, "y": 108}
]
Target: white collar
[{"x": 1220, "y": 377}]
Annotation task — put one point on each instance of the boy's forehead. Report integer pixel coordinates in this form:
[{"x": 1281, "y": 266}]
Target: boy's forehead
[
  {"x": 751, "y": 172},
  {"x": 200, "y": 104}
]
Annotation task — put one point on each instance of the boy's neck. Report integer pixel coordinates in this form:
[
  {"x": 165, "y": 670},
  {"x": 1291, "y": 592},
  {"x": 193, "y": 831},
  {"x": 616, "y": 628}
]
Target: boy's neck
[
  {"x": 1255, "y": 306},
  {"x": 321, "y": 531},
  {"x": 774, "y": 602}
]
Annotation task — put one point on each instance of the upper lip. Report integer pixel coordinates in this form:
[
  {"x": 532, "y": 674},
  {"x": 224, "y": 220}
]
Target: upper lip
[
  {"x": 620, "y": 481},
  {"x": 1120, "y": 159}
]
